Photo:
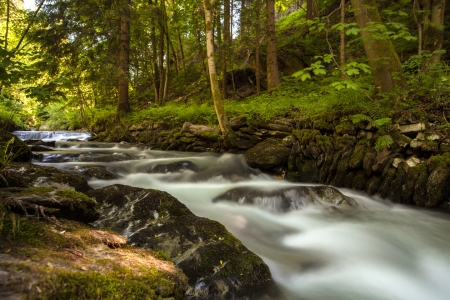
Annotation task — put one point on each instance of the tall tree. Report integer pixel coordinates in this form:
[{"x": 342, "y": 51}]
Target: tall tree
[
  {"x": 123, "y": 105},
  {"x": 226, "y": 44},
  {"x": 257, "y": 66},
  {"x": 342, "y": 48},
  {"x": 225, "y": 126},
  {"x": 309, "y": 10},
  {"x": 7, "y": 24},
  {"x": 154, "y": 50},
  {"x": 383, "y": 59},
  {"x": 434, "y": 32},
  {"x": 273, "y": 75}
]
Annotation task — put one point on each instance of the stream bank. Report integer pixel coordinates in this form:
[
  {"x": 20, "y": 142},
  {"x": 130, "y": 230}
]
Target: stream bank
[{"x": 331, "y": 149}]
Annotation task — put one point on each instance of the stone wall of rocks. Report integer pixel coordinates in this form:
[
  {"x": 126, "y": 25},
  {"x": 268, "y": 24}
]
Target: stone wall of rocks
[{"x": 330, "y": 149}]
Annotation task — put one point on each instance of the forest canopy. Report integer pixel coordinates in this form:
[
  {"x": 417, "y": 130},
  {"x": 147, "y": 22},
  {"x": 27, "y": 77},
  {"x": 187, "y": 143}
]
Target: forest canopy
[{"x": 76, "y": 64}]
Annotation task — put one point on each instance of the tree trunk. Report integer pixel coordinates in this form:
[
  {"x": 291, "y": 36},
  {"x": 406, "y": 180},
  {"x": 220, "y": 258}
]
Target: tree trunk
[
  {"x": 30, "y": 24},
  {"x": 166, "y": 81},
  {"x": 123, "y": 106},
  {"x": 226, "y": 43},
  {"x": 342, "y": 50},
  {"x": 273, "y": 75},
  {"x": 181, "y": 50},
  {"x": 161, "y": 65},
  {"x": 7, "y": 24},
  {"x": 309, "y": 9},
  {"x": 386, "y": 67},
  {"x": 154, "y": 56},
  {"x": 416, "y": 6},
  {"x": 225, "y": 126},
  {"x": 434, "y": 35},
  {"x": 258, "y": 72}
]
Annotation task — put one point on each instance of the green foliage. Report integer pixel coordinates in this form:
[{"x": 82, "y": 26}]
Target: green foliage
[{"x": 383, "y": 142}]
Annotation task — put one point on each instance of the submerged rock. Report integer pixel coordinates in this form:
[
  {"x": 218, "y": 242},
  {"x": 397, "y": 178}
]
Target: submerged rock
[
  {"x": 267, "y": 154},
  {"x": 178, "y": 166},
  {"x": 287, "y": 198},
  {"x": 95, "y": 172},
  {"x": 215, "y": 262},
  {"x": 31, "y": 175}
]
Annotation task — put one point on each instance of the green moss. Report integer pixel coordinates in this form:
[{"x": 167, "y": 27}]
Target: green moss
[
  {"x": 40, "y": 191},
  {"x": 81, "y": 198},
  {"x": 17, "y": 229},
  {"x": 164, "y": 133},
  {"x": 120, "y": 283},
  {"x": 185, "y": 140},
  {"x": 211, "y": 135}
]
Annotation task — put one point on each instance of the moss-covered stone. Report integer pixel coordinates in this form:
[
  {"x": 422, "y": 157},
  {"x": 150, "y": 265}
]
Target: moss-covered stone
[
  {"x": 372, "y": 185},
  {"x": 396, "y": 190},
  {"x": 31, "y": 175},
  {"x": 342, "y": 168},
  {"x": 267, "y": 154},
  {"x": 420, "y": 188},
  {"x": 63, "y": 259},
  {"x": 360, "y": 181},
  {"x": 20, "y": 151},
  {"x": 356, "y": 161}
]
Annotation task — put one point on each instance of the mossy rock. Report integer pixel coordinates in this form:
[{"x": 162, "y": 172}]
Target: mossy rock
[
  {"x": 420, "y": 188},
  {"x": 47, "y": 201},
  {"x": 19, "y": 149},
  {"x": 213, "y": 259},
  {"x": 31, "y": 175},
  {"x": 62, "y": 259},
  {"x": 267, "y": 154}
]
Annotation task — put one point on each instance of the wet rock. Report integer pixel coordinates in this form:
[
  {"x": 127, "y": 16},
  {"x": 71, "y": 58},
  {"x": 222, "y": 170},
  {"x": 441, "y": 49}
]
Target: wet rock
[
  {"x": 31, "y": 175},
  {"x": 215, "y": 262},
  {"x": 438, "y": 187},
  {"x": 267, "y": 154},
  {"x": 95, "y": 172},
  {"x": 40, "y": 148},
  {"x": 381, "y": 160},
  {"x": 288, "y": 141},
  {"x": 356, "y": 161},
  {"x": 413, "y": 161},
  {"x": 420, "y": 188},
  {"x": 287, "y": 199},
  {"x": 238, "y": 122},
  {"x": 41, "y": 143},
  {"x": 20, "y": 150},
  {"x": 48, "y": 201},
  {"x": 178, "y": 166},
  {"x": 205, "y": 132},
  {"x": 95, "y": 157}
]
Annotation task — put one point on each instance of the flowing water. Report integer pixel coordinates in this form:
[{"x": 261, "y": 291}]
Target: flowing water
[
  {"x": 52, "y": 135},
  {"x": 378, "y": 251}
]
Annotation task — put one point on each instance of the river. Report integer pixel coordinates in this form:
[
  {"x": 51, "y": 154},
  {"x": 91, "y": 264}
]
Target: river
[{"x": 378, "y": 251}]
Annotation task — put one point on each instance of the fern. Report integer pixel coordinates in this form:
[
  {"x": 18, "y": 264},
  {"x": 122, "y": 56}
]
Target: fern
[
  {"x": 380, "y": 123},
  {"x": 383, "y": 142},
  {"x": 358, "y": 118}
]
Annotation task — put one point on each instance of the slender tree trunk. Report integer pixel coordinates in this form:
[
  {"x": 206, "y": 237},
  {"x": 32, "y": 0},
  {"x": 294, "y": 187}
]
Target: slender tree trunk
[
  {"x": 226, "y": 44},
  {"x": 123, "y": 106},
  {"x": 309, "y": 10},
  {"x": 434, "y": 35},
  {"x": 273, "y": 75},
  {"x": 161, "y": 65},
  {"x": 225, "y": 126},
  {"x": 258, "y": 72},
  {"x": 166, "y": 81},
  {"x": 342, "y": 50},
  {"x": 7, "y": 24},
  {"x": 416, "y": 6},
  {"x": 181, "y": 50},
  {"x": 386, "y": 67},
  {"x": 155, "y": 55},
  {"x": 169, "y": 42}
]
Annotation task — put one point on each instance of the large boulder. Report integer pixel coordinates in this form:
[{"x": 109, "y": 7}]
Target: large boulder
[
  {"x": 216, "y": 263},
  {"x": 287, "y": 198},
  {"x": 267, "y": 154},
  {"x": 31, "y": 175},
  {"x": 10, "y": 143}
]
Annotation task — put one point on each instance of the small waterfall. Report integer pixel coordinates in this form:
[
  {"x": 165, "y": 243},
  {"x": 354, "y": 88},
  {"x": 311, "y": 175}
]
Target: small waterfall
[{"x": 52, "y": 135}]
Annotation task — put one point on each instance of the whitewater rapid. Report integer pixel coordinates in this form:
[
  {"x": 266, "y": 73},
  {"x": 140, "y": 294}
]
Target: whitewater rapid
[{"x": 379, "y": 251}]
